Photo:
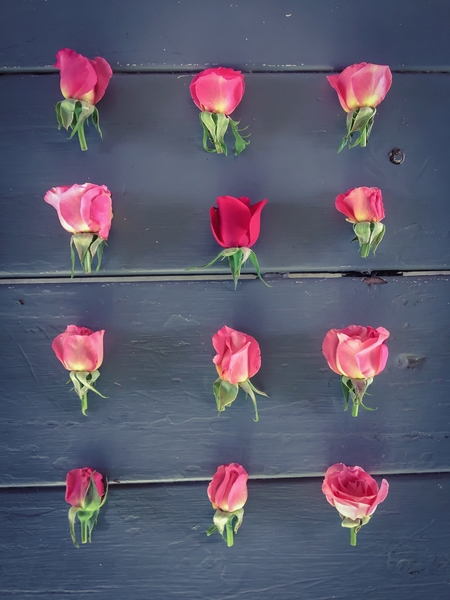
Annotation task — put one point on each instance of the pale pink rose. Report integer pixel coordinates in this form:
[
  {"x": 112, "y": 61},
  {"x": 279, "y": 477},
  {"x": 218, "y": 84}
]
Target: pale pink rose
[
  {"x": 228, "y": 488},
  {"x": 352, "y": 491},
  {"x": 238, "y": 355},
  {"x": 355, "y": 351},
  {"x": 79, "y": 348}
]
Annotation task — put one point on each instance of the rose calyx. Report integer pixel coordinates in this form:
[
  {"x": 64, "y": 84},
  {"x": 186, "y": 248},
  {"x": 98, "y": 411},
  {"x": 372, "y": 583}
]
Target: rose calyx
[{"x": 215, "y": 126}]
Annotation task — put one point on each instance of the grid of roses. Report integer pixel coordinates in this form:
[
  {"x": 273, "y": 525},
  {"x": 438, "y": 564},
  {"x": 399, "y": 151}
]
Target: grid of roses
[
  {"x": 352, "y": 491},
  {"x": 357, "y": 353}
]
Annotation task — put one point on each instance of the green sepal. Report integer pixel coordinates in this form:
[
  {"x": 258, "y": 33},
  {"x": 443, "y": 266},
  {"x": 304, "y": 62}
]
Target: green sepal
[
  {"x": 225, "y": 393},
  {"x": 223, "y": 523},
  {"x": 369, "y": 236},
  {"x": 72, "y": 516},
  {"x": 359, "y": 121},
  {"x": 240, "y": 143},
  {"x": 355, "y": 389},
  {"x": 215, "y": 126},
  {"x": 249, "y": 388},
  {"x": 256, "y": 265},
  {"x": 72, "y": 113},
  {"x": 88, "y": 246},
  {"x": 354, "y": 525},
  {"x": 83, "y": 381}
]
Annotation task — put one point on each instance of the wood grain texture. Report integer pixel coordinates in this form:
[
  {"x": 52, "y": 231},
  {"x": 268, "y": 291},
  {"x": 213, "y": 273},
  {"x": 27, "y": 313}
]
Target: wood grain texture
[
  {"x": 150, "y": 542},
  {"x": 160, "y": 419},
  {"x": 249, "y": 34},
  {"x": 164, "y": 184}
]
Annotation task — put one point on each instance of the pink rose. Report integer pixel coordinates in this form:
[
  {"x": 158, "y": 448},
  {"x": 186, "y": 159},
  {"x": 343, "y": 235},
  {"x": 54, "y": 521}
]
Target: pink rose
[
  {"x": 79, "y": 348},
  {"x": 352, "y": 491},
  {"x": 238, "y": 355},
  {"x": 217, "y": 90},
  {"x": 363, "y": 84},
  {"x": 356, "y": 352},
  {"x": 361, "y": 204},
  {"x": 83, "y": 208},
  {"x": 228, "y": 488},
  {"x": 77, "y": 484},
  {"x": 82, "y": 78},
  {"x": 236, "y": 223}
]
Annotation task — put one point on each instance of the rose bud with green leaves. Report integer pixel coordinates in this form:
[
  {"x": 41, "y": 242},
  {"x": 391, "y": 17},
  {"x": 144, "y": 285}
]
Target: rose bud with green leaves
[
  {"x": 235, "y": 224},
  {"x": 217, "y": 92},
  {"x": 360, "y": 89},
  {"x": 357, "y": 354},
  {"x": 83, "y": 84},
  {"x": 86, "y": 491},
  {"x": 364, "y": 208},
  {"x": 86, "y": 212},
  {"x": 228, "y": 494},
  {"x": 81, "y": 352},
  {"x": 238, "y": 358},
  {"x": 355, "y": 495}
]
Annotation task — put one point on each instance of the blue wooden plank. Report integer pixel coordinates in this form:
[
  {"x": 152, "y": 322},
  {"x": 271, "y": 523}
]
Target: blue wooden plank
[
  {"x": 150, "y": 542},
  {"x": 250, "y": 34},
  {"x": 163, "y": 183},
  {"x": 160, "y": 419}
]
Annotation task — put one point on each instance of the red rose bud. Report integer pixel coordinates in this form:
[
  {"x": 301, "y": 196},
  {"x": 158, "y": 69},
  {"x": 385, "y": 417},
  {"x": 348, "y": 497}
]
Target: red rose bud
[
  {"x": 86, "y": 492},
  {"x": 355, "y": 494},
  {"x": 238, "y": 358},
  {"x": 360, "y": 88},
  {"x": 364, "y": 208},
  {"x": 217, "y": 92},
  {"x": 235, "y": 224},
  {"x": 228, "y": 494},
  {"x": 86, "y": 211},
  {"x": 357, "y": 354},
  {"x": 83, "y": 84},
  {"x": 81, "y": 352}
]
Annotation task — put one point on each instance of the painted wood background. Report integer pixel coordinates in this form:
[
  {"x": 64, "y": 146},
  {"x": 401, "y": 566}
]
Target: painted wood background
[{"x": 158, "y": 434}]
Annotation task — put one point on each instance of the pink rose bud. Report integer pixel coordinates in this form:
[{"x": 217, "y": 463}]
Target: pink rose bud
[
  {"x": 217, "y": 92},
  {"x": 86, "y": 212},
  {"x": 86, "y": 492},
  {"x": 355, "y": 494},
  {"x": 228, "y": 494},
  {"x": 235, "y": 225},
  {"x": 360, "y": 89},
  {"x": 364, "y": 208},
  {"x": 83, "y": 84},
  {"x": 238, "y": 358},
  {"x": 81, "y": 352},
  {"x": 357, "y": 354}
]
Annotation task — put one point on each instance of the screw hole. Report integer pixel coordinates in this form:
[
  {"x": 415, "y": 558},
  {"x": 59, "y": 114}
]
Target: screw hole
[{"x": 396, "y": 156}]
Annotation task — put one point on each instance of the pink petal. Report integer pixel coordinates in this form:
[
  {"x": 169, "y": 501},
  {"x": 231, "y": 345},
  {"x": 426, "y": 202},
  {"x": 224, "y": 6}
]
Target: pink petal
[
  {"x": 104, "y": 74},
  {"x": 238, "y": 494},
  {"x": 329, "y": 349},
  {"x": 255, "y": 222},
  {"x": 371, "y": 84},
  {"x": 78, "y": 76},
  {"x": 238, "y": 369},
  {"x": 234, "y": 218}
]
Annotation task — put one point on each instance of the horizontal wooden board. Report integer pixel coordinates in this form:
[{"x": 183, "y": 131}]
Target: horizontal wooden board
[
  {"x": 150, "y": 542},
  {"x": 160, "y": 420},
  {"x": 249, "y": 34},
  {"x": 164, "y": 184}
]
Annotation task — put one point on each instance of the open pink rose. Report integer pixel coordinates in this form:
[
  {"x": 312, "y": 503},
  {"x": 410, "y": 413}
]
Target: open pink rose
[
  {"x": 355, "y": 351},
  {"x": 235, "y": 223},
  {"x": 217, "y": 90},
  {"x": 352, "y": 491},
  {"x": 77, "y": 484},
  {"x": 228, "y": 488},
  {"x": 238, "y": 355},
  {"x": 79, "y": 348},
  {"x": 82, "y": 78},
  {"x": 83, "y": 208},
  {"x": 362, "y": 204},
  {"x": 362, "y": 84}
]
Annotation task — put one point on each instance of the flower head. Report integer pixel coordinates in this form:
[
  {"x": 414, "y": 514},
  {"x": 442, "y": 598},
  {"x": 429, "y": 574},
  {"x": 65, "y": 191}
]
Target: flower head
[
  {"x": 362, "y": 84},
  {"x": 238, "y": 355},
  {"x": 228, "y": 488},
  {"x": 79, "y": 348},
  {"x": 218, "y": 90},
  {"x": 82, "y": 78}
]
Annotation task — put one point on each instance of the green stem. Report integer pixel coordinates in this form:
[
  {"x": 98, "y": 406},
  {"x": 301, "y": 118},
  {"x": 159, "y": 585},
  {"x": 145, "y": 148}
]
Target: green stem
[
  {"x": 229, "y": 529},
  {"x": 82, "y": 138},
  {"x": 353, "y": 536},
  {"x": 355, "y": 408},
  {"x": 84, "y": 532},
  {"x": 365, "y": 249},
  {"x": 84, "y": 404}
]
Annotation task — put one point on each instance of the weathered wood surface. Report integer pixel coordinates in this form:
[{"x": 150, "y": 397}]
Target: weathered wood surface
[
  {"x": 150, "y": 542},
  {"x": 247, "y": 34},
  {"x": 163, "y": 183},
  {"x": 160, "y": 419}
]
